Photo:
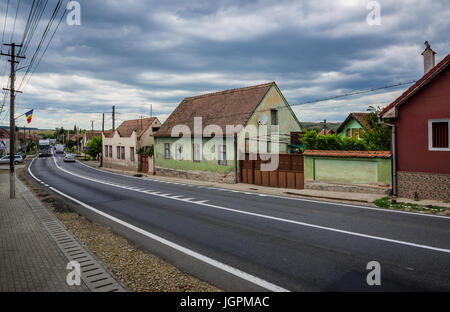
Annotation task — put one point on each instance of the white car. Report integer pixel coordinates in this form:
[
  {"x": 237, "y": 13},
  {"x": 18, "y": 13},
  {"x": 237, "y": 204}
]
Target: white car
[
  {"x": 17, "y": 159},
  {"x": 69, "y": 158}
]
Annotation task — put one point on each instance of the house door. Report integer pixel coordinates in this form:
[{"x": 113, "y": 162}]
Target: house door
[
  {"x": 144, "y": 163},
  {"x": 288, "y": 175}
]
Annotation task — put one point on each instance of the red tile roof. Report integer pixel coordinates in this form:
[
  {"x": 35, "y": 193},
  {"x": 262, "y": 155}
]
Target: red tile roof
[
  {"x": 139, "y": 125},
  {"x": 359, "y": 117},
  {"x": 329, "y": 131},
  {"x": 89, "y": 134},
  {"x": 364, "y": 154},
  {"x": 229, "y": 107},
  {"x": 418, "y": 84}
]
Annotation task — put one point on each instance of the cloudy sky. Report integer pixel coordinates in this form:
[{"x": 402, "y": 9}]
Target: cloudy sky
[{"x": 133, "y": 54}]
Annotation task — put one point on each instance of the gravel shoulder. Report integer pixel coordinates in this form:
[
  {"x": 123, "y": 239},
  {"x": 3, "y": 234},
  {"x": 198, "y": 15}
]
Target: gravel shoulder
[{"x": 135, "y": 268}]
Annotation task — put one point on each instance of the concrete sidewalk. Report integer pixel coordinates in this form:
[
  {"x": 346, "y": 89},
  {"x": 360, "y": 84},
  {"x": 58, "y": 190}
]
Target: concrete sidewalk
[
  {"x": 350, "y": 197},
  {"x": 29, "y": 259}
]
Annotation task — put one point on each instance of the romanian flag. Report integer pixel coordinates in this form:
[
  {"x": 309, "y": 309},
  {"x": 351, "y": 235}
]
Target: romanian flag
[{"x": 29, "y": 115}]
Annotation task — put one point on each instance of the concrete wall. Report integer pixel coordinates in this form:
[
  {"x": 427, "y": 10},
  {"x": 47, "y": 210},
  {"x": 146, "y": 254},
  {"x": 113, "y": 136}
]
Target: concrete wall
[{"x": 348, "y": 170}]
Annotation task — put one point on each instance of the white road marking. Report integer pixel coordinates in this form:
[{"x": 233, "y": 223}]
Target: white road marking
[
  {"x": 285, "y": 220},
  {"x": 222, "y": 266}
]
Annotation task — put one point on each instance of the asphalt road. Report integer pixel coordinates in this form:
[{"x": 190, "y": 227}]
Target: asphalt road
[{"x": 248, "y": 241}]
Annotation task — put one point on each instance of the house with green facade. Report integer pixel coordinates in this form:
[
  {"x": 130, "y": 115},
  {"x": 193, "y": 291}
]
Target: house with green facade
[
  {"x": 353, "y": 126},
  {"x": 206, "y": 135}
]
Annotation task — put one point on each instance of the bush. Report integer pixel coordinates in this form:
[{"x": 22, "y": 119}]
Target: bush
[{"x": 312, "y": 140}]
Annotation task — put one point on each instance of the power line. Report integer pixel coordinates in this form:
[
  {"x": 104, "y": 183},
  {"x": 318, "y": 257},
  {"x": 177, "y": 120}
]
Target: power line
[
  {"x": 15, "y": 18},
  {"x": 4, "y": 24},
  {"x": 43, "y": 37},
  {"x": 45, "y": 50}
]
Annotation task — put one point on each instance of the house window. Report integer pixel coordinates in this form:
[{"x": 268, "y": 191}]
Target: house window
[
  {"x": 355, "y": 133},
  {"x": 110, "y": 151},
  {"x": 223, "y": 155},
  {"x": 132, "y": 153},
  {"x": 274, "y": 117},
  {"x": 247, "y": 142},
  {"x": 178, "y": 151},
  {"x": 439, "y": 135},
  {"x": 166, "y": 150},
  {"x": 118, "y": 152},
  {"x": 347, "y": 133},
  {"x": 196, "y": 153},
  {"x": 122, "y": 151},
  {"x": 106, "y": 151}
]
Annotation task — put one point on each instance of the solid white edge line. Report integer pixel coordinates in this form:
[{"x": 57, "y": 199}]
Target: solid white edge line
[
  {"x": 222, "y": 266},
  {"x": 276, "y": 218},
  {"x": 282, "y": 197}
]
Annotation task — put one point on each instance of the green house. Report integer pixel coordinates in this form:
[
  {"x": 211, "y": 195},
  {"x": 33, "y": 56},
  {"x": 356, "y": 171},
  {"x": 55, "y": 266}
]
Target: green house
[
  {"x": 204, "y": 135},
  {"x": 353, "y": 126}
]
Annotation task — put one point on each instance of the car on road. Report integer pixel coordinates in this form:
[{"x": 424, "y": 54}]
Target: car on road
[
  {"x": 17, "y": 159},
  {"x": 69, "y": 158}
]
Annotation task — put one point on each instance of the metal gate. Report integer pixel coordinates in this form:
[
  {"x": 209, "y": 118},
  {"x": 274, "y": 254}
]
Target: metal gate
[
  {"x": 288, "y": 175},
  {"x": 144, "y": 163}
]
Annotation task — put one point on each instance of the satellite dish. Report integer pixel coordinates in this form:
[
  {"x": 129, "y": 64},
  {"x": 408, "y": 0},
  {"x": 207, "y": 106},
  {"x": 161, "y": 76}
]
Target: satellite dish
[{"x": 262, "y": 119}]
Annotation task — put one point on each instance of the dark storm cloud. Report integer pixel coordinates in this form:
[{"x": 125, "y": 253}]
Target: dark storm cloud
[{"x": 133, "y": 53}]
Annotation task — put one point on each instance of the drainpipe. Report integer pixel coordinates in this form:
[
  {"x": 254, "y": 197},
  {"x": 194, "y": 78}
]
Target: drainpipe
[{"x": 394, "y": 156}]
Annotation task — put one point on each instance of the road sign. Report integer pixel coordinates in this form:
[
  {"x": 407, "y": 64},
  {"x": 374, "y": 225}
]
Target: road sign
[
  {"x": 85, "y": 149},
  {"x": 2, "y": 144}
]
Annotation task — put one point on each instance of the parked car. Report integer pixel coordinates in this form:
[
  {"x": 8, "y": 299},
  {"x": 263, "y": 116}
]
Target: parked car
[
  {"x": 69, "y": 158},
  {"x": 17, "y": 159},
  {"x": 22, "y": 154}
]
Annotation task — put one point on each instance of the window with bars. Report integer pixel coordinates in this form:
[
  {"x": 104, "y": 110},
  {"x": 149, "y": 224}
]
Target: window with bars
[
  {"x": 118, "y": 152},
  {"x": 178, "y": 151},
  {"x": 439, "y": 135},
  {"x": 131, "y": 153},
  {"x": 196, "y": 152},
  {"x": 166, "y": 150},
  {"x": 110, "y": 151},
  {"x": 222, "y": 155},
  {"x": 122, "y": 152}
]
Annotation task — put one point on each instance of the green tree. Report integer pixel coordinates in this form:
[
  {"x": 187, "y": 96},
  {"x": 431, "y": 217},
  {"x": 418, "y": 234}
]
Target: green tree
[
  {"x": 94, "y": 146},
  {"x": 377, "y": 137}
]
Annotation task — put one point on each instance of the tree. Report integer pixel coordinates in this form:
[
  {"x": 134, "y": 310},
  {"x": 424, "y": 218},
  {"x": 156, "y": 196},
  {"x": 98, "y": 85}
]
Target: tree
[
  {"x": 94, "y": 146},
  {"x": 377, "y": 137}
]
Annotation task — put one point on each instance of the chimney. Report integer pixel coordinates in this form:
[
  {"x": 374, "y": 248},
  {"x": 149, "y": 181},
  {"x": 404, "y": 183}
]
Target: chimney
[{"x": 428, "y": 58}]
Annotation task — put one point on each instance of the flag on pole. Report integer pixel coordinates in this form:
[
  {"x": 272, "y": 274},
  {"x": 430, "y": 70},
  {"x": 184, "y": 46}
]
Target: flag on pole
[{"x": 29, "y": 115}]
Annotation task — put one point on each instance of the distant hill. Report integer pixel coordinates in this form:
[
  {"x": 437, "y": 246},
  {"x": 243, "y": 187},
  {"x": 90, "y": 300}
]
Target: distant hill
[{"x": 319, "y": 125}]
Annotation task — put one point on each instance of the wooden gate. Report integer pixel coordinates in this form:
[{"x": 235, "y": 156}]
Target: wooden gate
[
  {"x": 144, "y": 163},
  {"x": 288, "y": 175}
]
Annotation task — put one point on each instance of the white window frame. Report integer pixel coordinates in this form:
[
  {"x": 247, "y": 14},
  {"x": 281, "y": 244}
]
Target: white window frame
[
  {"x": 430, "y": 135},
  {"x": 178, "y": 151}
]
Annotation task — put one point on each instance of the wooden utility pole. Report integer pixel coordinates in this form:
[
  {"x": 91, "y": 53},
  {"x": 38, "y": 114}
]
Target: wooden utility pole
[
  {"x": 103, "y": 130},
  {"x": 12, "y": 125},
  {"x": 113, "y": 117}
]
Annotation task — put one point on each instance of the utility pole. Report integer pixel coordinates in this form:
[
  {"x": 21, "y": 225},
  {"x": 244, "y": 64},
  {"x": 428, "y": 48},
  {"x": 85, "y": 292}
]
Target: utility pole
[
  {"x": 12, "y": 126},
  {"x": 151, "y": 110},
  {"x": 113, "y": 117},
  {"x": 103, "y": 130},
  {"x": 92, "y": 127}
]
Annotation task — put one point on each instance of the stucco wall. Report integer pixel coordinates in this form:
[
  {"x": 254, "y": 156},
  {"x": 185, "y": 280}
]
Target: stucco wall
[
  {"x": 207, "y": 162},
  {"x": 432, "y": 102},
  {"x": 348, "y": 170},
  {"x": 127, "y": 142},
  {"x": 286, "y": 120}
]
